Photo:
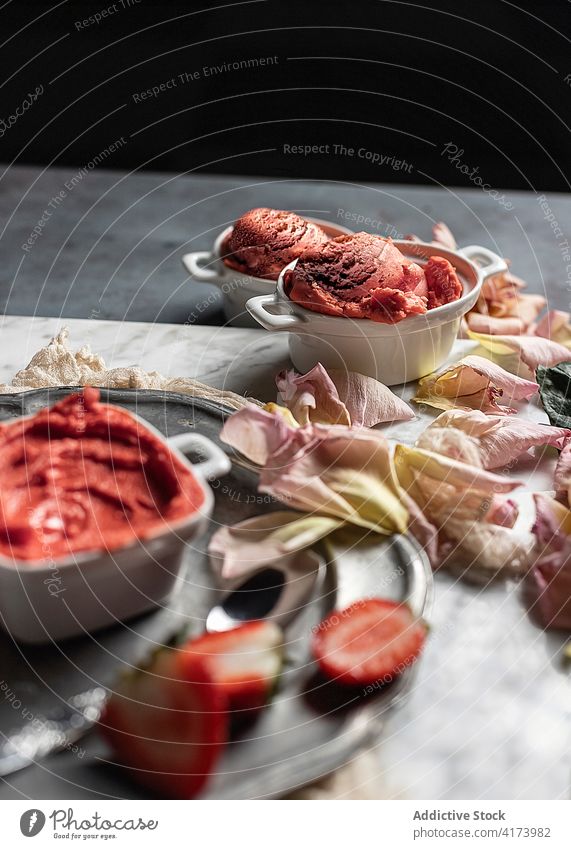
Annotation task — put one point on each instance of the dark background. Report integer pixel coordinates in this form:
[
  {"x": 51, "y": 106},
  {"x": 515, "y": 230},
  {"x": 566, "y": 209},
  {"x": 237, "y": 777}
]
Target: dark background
[{"x": 395, "y": 78}]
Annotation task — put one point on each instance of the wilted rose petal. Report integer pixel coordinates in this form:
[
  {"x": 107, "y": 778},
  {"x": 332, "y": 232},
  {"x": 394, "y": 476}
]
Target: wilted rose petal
[
  {"x": 312, "y": 397},
  {"x": 473, "y": 383},
  {"x": 266, "y": 539},
  {"x": 528, "y": 307},
  {"x": 562, "y": 476},
  {"x": 510, "y": 325},
  {"x": 338, "y": 472},
  {"x": 442, "y": 235},
  {"x": 482, "y": 551},
  {"x": 425, "y": 533},
  {"x": 330, "y": 469},
  {"x": 451, "y": 442},
  {"x": 457, "y": 499},
  {"x": 497, "y": 440},
  {"x": 256, "y": 433},
  {"x": 369, "y": 402},
  {"x": 340, "y": 397},
  {"x": 555, "y": 325},
  {"x": 548, "y": 584},
  {"x": 503, "y": 511},
  {"x": 500, "y": 294},
  {"x": 443, "y": 487},
  {"x": 533, "y": 351}
]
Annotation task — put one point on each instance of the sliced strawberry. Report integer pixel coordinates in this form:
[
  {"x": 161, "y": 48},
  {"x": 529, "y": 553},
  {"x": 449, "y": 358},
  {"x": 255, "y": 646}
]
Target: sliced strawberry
[
  {"x": 372, "y": 640},
  {"x": 168, "y": 724},
  {"x": 245, "y": 661}
]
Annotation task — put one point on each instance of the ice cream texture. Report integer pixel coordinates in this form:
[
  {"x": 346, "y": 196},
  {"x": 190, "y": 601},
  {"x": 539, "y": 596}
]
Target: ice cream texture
[
  {"x": 366, "y": 276},
  {"x": 83, "y": 475},
  {"x": 263, "y": 241}
]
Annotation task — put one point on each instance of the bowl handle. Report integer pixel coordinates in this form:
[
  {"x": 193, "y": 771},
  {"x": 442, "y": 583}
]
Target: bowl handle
[
  {"x": 285, "y": 320},
  {"x": 488, "y": 262},
  {"x": 193, "y": 262},
  {"x": 213, "y": 462}
]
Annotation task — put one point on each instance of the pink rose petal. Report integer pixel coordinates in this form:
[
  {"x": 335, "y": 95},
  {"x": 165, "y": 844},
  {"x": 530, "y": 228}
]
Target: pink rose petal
[
  {"x": 369, "y": 402},
  {"x": 555, "y": 325},
  {"x": 547, "y": 586},
  {"x": 474, "y": 383},
  {"x": 256, "y": 433},
  {"x": 312, "y": 397},
  {"x": 442, "y": 235},
  {"x": 465, "y": 505},
  {"x": 562, "y": 476},
  {"x": 479, "y": 323},
  {"x": 533, "y": 351},
  {"x": 498, "y": 440},
  {"x": 516, "y": 388},
  {"x": 340, "y": 397}
]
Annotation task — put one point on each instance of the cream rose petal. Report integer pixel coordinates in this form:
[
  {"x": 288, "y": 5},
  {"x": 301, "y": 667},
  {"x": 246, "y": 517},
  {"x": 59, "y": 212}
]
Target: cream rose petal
[
  {"x": 495, "y": 440},
  {"x": 473, "y": 383},
  {"x": 266, "y": 539}
]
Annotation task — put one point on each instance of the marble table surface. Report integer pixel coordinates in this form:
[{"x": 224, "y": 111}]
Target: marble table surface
[
  {"x": 109, "y": 242},
  {"x": 489, "y": 717}
]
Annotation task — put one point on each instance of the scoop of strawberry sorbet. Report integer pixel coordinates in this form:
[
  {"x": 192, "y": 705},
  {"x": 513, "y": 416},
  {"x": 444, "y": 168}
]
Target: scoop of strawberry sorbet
[
  {"x": 366, "y": 276},
  {"x": 263, "y": 241}
]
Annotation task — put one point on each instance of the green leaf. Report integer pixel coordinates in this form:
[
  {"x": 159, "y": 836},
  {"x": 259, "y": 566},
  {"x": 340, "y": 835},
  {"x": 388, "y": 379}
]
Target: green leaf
[{"x": 555, "y": 391}]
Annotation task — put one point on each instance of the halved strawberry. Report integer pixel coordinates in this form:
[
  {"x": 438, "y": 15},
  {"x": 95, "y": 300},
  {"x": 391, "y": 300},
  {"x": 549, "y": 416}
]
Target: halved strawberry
[
  {"x": 168, "y": 724},
  {"x": 244, "y": 661},
  {"x": 372, "y": 640}
]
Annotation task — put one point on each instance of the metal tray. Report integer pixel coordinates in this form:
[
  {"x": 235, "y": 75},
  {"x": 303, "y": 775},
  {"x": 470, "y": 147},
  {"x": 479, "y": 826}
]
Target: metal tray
[{"x": 308, "y": 730}]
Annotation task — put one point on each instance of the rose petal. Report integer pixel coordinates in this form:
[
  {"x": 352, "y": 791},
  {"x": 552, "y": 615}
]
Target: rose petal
[
  {"x": 312, "y": 397},
  {"x": 338, "y": 472},
  {"x": 555, "y": 325},
  {"x": 503, "y": 511},
  {"x": 482, "y": 551},
  {"x": 340, "y": 397},
  {"x": 547, "y": 587},
  {"x": 423, "y": 531},
  {"x": 497, "y": 439},
  {"x": 451, "y": 442},
  {"x": 443, "y": 487},
  {"x": 533, "y": 351},
  {"x": 473, "y": 383},
  {"x": 562, "y": 475},
  {"x": 457, "y": 500},
  {"x": 516, "y": 388},
  {"x": 266, "y": 539},
  {"x": 491, "y": 325},
  {"x": 528, "y": 307},
  {"x": 442, "y": 235},
  {"x": 369, "y": 402},
  {"x": 256, "y": 433}
]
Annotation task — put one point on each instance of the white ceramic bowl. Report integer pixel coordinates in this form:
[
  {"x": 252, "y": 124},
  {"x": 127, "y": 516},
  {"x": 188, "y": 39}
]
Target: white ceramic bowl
[
  {"x": 41, "y": 601},
  {"x": 391, "y": 353},
  {"x": 238, "y": 288}
]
